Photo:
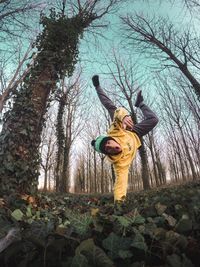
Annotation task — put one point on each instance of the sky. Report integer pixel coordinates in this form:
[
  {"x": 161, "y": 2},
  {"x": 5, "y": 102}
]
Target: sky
[
  {"x": 94, "y": 50},
  {"x": 93, "y": 54}
]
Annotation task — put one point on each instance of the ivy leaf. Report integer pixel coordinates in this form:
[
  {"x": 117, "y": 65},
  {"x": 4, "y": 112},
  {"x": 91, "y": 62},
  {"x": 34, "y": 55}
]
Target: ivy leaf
[
  {"x": 159, "y": 233},
  {"x": 139, "y": 242},
  {"x": 94, "y": 255},
  {"x": 139, "y": 220},
  {"x": 125, "y": 222},
  {"x": 175, "y": 260},
  {"x": 114, "y": 244},
  {"x": 175, "y": 238},
  {"x": 79, "y": 261},
  {"x": 24, "y": 132},
  {"x": 125, "y": 254},
  {"x": 171, "y": 220},
  {"x": 160, "y": 208},
  {"x": 29, "y": 212},
  {"x": 9, "y": 166},
  {"x": 17, "y": 214},
  {"x": 184, "y": 225},
  {"x": 80, "y": 222}
]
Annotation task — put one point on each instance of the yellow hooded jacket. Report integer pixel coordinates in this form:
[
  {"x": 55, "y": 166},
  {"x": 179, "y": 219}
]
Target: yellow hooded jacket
[{"x": 129, "y": 142}]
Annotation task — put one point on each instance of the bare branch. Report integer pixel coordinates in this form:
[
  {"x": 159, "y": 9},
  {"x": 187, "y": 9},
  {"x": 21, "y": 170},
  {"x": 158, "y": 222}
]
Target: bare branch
[
  {"x": 14, "y": 82},
  {"x": 161, "y": 41}
]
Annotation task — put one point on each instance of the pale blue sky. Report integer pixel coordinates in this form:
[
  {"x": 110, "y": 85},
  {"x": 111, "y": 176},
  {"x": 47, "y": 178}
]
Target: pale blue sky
[{"x": 93, "y": 53}]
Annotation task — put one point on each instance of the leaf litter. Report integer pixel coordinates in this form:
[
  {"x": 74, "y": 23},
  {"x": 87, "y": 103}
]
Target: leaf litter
[{"x": 159, "y": 227}]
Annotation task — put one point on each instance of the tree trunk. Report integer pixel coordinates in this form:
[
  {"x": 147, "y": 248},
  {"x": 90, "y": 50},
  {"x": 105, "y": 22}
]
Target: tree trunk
[
  {"x": 49, "y": 180},
  {"x": 90, "y": 172},
  {"x": 144, "y": 162},
  {"x": 60, "y": 143},
  {"x": 95, "y": 173},
  {"x": 152, "y": 148},
  {"x": 194, "y": 175},
  {"x": 21, "y": 135},
  {"x": 45, "y": 180},
  {"x": 143, "y": 156},
  {"x": 64, "y": 186},
  {"x": 102, "y": 175}
]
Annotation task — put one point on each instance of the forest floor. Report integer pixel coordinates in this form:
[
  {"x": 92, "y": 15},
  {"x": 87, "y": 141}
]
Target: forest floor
[{"x": 159, "y": 227}]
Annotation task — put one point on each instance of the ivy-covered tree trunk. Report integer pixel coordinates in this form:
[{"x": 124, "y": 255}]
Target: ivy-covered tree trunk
[
  {"x": 20, "y": 138},
  {"x": 60, "y": 142},
  {"x": 65, "y": 182}
]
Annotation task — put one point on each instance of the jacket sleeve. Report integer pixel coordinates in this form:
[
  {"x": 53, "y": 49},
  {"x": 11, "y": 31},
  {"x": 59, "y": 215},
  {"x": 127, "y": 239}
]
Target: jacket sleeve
[
  {"x": 106, "y": 102},
  {"x": 120, "y": 113}
]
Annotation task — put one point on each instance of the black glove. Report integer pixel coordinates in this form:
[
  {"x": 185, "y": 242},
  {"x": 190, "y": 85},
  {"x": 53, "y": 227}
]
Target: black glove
[
  {"x": 139, "y": 99},
  {"x": 95, "y": 80}
]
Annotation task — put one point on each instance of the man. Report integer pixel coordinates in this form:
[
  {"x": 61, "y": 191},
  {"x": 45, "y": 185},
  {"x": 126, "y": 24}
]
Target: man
[{"x": 123, "y": 138}]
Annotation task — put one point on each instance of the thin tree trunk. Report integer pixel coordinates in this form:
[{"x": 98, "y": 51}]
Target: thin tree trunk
[
  {"x": 145, "y": 173},
  {"x": 151, "y": 148},
  {"x": 102, "y": 175},
  {"x": 143, "y": 156},
  {"x": 45, "y": 180},
  {"x": 95, "y": 172},
  {"x": 188, "y": 155},
  {"x": 49, "y": 180}
]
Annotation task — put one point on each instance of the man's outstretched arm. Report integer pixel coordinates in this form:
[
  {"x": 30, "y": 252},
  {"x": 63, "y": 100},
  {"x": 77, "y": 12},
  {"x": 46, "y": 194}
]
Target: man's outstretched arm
[{"x": 105, "y": 100}]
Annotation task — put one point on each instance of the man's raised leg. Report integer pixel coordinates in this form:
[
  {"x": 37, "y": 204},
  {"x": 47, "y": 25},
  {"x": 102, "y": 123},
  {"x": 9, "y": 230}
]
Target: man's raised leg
[{"x": 150, "y": 119}]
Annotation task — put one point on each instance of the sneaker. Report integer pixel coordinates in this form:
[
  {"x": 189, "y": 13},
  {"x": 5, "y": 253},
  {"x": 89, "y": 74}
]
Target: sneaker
[
  {"x": 139, "y": 99},
  {"x": 95, "y": 80}
]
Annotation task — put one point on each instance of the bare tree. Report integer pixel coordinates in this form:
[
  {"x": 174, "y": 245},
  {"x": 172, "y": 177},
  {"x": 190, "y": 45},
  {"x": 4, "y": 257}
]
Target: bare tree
[
  {"x": 124, "y": 77},
  {"x": 191, "y": 3},
  {"x": 160, "y": 40},
  {"x": 15, "y": 17},
  {"x": 8, "y": 89},
  {"x": 17, "y": 28},
  {"x": 178, "y": 119}
]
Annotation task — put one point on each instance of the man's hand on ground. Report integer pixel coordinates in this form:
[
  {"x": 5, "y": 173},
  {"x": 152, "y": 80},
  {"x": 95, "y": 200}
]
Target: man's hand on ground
[{"x": 127, "y": 123}]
